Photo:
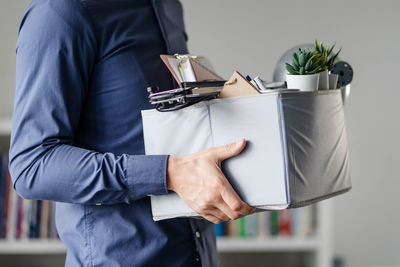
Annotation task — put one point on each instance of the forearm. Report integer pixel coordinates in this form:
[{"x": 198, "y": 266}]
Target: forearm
[{"x": 70, "y": 174}]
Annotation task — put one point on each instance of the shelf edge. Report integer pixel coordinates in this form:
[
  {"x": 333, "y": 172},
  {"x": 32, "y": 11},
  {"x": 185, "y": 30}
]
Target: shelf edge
[{"x": 32, "y": 247}]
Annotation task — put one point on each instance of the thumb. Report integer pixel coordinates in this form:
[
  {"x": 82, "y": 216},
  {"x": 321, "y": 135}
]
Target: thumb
[{"x": 230, "y": 150}]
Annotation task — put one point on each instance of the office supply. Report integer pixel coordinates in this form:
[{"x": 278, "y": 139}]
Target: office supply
[
  {"x": 190, "y": 93},
  {"x": 259, "y": 83},
  {"x": 186, "y": 70},
  {"x": 196, "y": 79},
  {"x": 274, "y": 85},
  {"x": 189, "y": 68},
  {"x": 173, "y": 65},
  {"x": 238, "y": 85},
  {"x": 254, "y": 83},
  {"x": 266, "y": 87}
]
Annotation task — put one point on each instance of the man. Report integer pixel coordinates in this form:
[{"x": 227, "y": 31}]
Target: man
[{"x": 82, "y": 70}]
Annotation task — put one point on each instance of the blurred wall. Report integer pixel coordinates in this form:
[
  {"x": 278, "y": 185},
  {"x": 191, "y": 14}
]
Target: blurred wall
[
  {"x": 250, "y": 36},
  {"x": 11, "y": 12}
]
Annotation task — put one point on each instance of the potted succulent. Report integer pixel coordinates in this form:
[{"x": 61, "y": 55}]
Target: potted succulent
[
  {"x": 303, "y": 73},
  {"x": 327, "y": 80}
]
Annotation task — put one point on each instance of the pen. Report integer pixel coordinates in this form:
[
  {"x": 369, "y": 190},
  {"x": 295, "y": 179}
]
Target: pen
[{"x": 254, "y": 82}]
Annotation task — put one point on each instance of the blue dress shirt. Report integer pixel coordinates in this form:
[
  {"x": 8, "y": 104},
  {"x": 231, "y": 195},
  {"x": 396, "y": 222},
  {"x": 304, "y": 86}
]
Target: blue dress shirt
[{"x": 82, "y": 71}]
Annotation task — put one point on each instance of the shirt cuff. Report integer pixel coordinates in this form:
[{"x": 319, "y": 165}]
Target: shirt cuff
[{"x": 146, "y": 175}]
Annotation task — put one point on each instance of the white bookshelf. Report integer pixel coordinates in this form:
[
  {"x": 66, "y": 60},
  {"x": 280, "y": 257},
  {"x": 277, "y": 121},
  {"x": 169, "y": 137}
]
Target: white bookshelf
[
  {"x": 34, "y": 251},
  {"x": 318, "y": 246}
]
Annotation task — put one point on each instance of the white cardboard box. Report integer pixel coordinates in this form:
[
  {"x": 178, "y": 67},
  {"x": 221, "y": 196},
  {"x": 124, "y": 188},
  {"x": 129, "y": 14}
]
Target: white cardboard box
[{"x": 296, "y": 151}]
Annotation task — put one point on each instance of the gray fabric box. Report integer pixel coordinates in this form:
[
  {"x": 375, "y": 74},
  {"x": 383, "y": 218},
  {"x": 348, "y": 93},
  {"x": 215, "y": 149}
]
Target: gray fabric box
[{"x": 296, "y": 151}]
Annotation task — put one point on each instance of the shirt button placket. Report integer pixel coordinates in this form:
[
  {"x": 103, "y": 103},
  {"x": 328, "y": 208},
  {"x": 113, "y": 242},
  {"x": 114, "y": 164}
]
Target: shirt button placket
[{"x": 197, "y": 259}]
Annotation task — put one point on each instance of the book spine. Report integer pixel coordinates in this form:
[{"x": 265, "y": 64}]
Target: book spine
[
  {"x": 284, "y": 223},
  {"x": 295, "y": 220},
  {"x": 299, "y": 223},
  {"x": 305, "y": 222},
  {"x": 2, "y": 192},
  {"x": 20, "y": 216},
  {"x": 6, "y": 205},
  {"x": 53, "y": 230},
  {"x": 314, "y": 220},
  {"x": 37, "y": 219},
  {"x": 44, "y": 219},
  {"x": 260, "y": 224},
  {"x": 251, "y": 225},
  {"x": 32, "y": 219},
  {"x": 26, "y": 218},
  {"x": 234, "y": 228},
  {"x": 267, "y": 224},
  {"x": 242, "y": 227},
  {"x": 220, "y": 229},
  {"x": 274, "y": 223},
  {"x": 12, "y": 218}
]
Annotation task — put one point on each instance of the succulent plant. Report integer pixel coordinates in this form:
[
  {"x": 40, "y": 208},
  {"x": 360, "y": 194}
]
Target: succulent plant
[
  {"x": 304, "y": 62},
  {"x": 321, "y": 60},
  {"x": 322, "y": 51}
]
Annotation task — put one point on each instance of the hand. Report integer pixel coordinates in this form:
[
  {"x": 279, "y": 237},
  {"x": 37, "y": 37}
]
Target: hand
[{"x": 197, "y": 178}]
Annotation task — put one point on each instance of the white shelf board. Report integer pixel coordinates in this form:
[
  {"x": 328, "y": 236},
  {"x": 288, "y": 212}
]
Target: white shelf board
[
  {"x": 5, "y": 126},
  {"x": 40, "y": 246},
  {"x": 234, "y": 244},
  {"x": 224, "y": 244}
]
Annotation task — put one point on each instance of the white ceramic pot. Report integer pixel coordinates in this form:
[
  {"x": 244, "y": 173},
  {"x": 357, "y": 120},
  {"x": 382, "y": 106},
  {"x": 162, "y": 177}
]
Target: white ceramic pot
[
  {"x": 305, "y": 83},
  {"x": 323, "y": 80},
  {"x": 333, "y": 79},
  {"x": 345, "y": 92}
]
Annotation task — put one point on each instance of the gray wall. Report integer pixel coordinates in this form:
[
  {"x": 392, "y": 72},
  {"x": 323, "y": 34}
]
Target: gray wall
[
  {"x": 10, "y": 15},
  {"x": 250, "y": 36}
]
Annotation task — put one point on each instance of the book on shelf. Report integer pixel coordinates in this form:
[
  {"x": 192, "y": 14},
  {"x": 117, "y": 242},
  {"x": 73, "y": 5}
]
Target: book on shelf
[
  {"x": 298, "y": 223},
  {"x": 22, "y": 218}
]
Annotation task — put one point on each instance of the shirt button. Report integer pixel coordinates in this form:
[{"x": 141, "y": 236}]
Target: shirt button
[
  {"x": 197, "y": 234},
  {"x": 197, "y": 259}
]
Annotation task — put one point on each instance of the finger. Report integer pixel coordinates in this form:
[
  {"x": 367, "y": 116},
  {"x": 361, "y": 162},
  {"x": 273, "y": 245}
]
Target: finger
[
  {"x": 234, "y": 202},
  {"x": 230, "y": 150},
  {"x": 233, "y": 215},
  {"x": 216, "y": 212},
  {"x": 211, "y": 218}
]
